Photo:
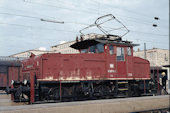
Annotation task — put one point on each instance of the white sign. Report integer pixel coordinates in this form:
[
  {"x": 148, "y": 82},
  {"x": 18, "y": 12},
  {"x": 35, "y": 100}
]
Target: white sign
[{"x": 111, "y": 65}]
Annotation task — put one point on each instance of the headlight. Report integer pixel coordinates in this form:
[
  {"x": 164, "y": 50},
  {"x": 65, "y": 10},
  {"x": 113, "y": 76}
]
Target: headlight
[
  {"x": 25, "y": 82},
  {"x": 12, "y": 82}
]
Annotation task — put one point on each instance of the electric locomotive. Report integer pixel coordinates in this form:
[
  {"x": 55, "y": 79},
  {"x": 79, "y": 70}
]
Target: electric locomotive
[{"x": 104, "y": 68}]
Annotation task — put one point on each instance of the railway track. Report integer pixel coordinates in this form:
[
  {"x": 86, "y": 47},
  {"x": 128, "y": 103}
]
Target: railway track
[{"x": 136, "y": 104}]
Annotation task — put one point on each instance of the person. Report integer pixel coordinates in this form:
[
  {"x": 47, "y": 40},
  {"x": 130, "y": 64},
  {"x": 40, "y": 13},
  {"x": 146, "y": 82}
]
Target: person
[{"x": 164, "y": 78}]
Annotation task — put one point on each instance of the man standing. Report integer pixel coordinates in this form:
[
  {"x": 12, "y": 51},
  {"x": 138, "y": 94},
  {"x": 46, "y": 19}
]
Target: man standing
[{"x": 164, "y": 78}]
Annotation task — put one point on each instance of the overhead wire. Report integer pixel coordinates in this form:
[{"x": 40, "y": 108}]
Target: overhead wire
[
  {"x": 73, "y": 4},
  {"x": 127, "y": 10},
  {"x": 23, "y": 37},
  {"x": 19, "y": 25},
  {"x": 155, "y": 43},
  {"x": 160, "y": 42},
  {"x": 98, "y": 3},
  {"x": 69, "y": 9},
  {"x": 36, "y": 27},
  {"x": 11, "y": 9},
  {"x": 134, "y": 18},
  {"x": 143, "y": 22},
  {"x": 34, "y": 17},
  {"x": 14, "y": 35},
  {"x": 67, "y": 22},
  {"x": 92, "y": 12},
  {"x": 164, "y": 35}
]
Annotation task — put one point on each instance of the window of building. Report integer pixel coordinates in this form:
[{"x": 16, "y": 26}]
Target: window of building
[
  {"x": 166, "y": 58},
  {"x": 120, "y": 54},
  {"x": 100, "y": 48},
  {"x": 111, "y": 50},
  {"x": 129, "y": 51}
]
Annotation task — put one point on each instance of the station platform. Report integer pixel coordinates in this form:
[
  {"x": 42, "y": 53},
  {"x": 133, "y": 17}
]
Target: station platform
[{"x": 134, "y": 104}]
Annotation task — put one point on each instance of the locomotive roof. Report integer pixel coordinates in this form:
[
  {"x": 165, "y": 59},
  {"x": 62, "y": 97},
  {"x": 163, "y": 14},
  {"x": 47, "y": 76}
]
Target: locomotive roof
[{"x": 90, "y": 42}]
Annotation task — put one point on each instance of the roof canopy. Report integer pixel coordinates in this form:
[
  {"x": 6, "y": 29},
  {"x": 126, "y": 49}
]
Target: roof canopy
[{"x": 90, "y": 42}]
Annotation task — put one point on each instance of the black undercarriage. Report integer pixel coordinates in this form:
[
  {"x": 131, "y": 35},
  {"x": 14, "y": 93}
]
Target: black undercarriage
[{"x": 55, "y": 91}]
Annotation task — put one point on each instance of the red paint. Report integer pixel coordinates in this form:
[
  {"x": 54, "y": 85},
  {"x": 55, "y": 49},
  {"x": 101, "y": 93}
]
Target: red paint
[
  {"x": 32, "y": 86},
  {"x": 3, "y": 79},
  {"x": 13, "y": 73},
  {"x": 85, "y": 66}
]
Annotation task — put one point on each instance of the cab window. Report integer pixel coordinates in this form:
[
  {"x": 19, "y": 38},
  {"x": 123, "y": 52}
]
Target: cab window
[
  {"x": 129, "y": 51},
  {"x": 84, "y": 50},
  {"x": 120, "y": 54},
  {"x": 92, "y": 49},
  {"x": 111, "y": 50},
  {"x": 99, "y": 48}
]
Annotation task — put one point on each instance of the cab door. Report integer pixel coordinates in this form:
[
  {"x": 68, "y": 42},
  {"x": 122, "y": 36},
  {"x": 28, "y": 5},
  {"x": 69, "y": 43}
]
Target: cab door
[
  {"x": 121, "y": 62},
  {"x": 129, "y": 62},
  {"x": 111, "y": 62}
]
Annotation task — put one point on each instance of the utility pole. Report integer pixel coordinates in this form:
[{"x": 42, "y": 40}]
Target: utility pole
[{"x": 145, "y": 50}]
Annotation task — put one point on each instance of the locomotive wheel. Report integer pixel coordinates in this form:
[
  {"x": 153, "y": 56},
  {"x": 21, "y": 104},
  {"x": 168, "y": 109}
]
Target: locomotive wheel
[
  {"x": 20, "y": 95},
  {"x": 55, "y": 93},
  {"x": 77, "y": 92},
  {"x": 103, "y": 91}
]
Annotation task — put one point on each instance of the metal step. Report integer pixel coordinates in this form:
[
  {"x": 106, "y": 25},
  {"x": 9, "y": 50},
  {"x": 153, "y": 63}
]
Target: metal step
[
  {"x": 123, "y": 89},
  {"x": 122, "y": 82}
]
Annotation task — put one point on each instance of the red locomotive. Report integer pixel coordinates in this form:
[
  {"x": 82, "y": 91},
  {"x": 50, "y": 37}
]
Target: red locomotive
[{"x": 104, "y": 68}]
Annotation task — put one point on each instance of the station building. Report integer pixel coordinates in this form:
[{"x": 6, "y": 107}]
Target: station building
[
  {"x": 26, "y": 54},
  {"x": 64, "y": 48}
]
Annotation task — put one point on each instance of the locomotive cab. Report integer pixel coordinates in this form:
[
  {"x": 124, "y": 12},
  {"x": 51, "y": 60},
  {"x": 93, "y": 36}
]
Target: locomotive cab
[{"x": 118, "y": 54}]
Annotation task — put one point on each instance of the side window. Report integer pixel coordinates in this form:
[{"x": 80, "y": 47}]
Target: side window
[
  {"x": 92, "y": 49},
  {"x": 100, "y": 48},
  {"x": 111, "y": 50},
  {"x": 120, "y": 54},
  {"x": 84, "y": 50},
  {"x": 129, "y": 51}
]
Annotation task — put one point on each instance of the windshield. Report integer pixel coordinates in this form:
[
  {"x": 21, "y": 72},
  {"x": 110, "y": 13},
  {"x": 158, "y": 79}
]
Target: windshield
[
  {"x": 84, "y": 50},
  {"x": 98, "y": 48}
]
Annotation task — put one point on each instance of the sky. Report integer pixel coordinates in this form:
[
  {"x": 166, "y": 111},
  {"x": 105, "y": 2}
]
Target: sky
[{"x": 21, "y": 28}]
